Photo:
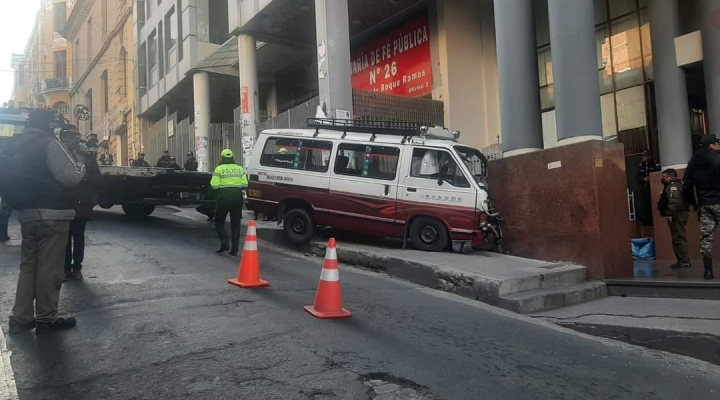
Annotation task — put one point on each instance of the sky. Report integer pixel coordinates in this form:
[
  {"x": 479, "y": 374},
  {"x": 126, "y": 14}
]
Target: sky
[{"x": 16, "y": 23}]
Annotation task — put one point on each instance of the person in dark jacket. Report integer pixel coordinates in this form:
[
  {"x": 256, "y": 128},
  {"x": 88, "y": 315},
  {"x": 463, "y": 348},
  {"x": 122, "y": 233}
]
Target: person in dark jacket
[
  {"x": 43, "y": 172},
  {"x": 675, "y": 209},
  {"x": 164, "y": 161},
  {"x": 5, "y": 213},
  {"x": 172, "y": 164},
  {"x": 84, "y": 204},
  {"x": 140, "y": 161},
  {"x": 191, "y": 164},
  {"x": 702, "y": 190},
  {"x": 643, "y": 198}
]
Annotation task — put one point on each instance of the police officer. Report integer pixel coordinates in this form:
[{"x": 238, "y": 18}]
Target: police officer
[
  {"x": 675, "y": 209},
  {"x": 140, "y": 161},
  {"x": 164, "y": 161},
  {"x": 702, "y": 188},
  {"x": 191, "y": 164},
  {"x": 229, "y": 180}
]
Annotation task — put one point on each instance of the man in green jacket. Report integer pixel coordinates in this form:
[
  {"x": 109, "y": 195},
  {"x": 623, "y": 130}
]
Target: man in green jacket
[
  {"x": 228, "y": 181},
  {"x": 675, "y": 209}
]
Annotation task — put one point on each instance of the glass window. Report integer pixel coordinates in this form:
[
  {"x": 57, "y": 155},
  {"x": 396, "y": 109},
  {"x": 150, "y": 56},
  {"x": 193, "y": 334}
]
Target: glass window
[
  {"x": 60, "y": 64},
  {"x": 152, "y": 58},
  {"x": 179, "y": 30},
  {"x": 375, "y": 162},
  {"x": 603, "y": 55},
  {"x": 600, "y": 11},
  {"x": 547, "y": 87},
  {"x": 542, "y": 23},
  {"x": 141, "y": 13},
  {"x": 621, "y": 7},
  {"x": 106, "y": 91},
  {"x": 170, "y": 38},
  {"x": 89, "y": 41},
  {"x": 60, "y": 11},
  {"x": 626, "y": 53},
  {"x": 437, "y": 165},
  {"x": 299, "y": 154},
  {"x": 607, "y": 106},
  {"x": 646, "y": 45},
  {"x": 549, "y": 127},
  {"x": 631, "y": 108},
  {"x": 104, "y": 21}
]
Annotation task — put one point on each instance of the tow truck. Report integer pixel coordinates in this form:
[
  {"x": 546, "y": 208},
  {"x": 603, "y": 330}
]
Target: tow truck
[{"x": 138, "y": 190}]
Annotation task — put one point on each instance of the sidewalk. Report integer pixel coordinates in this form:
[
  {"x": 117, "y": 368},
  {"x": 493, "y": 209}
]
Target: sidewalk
[
  {"x": 683, "y": 326},
  {"x": 516, "y": 284}
]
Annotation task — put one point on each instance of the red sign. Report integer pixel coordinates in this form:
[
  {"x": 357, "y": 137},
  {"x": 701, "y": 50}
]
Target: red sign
[
  {"x": 245, "y": 100},
  {"x": 397, "y": 63}
]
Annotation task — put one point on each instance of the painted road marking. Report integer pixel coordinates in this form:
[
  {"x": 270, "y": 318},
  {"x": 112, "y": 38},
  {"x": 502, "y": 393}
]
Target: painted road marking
[{"x": 8, "y": 390}]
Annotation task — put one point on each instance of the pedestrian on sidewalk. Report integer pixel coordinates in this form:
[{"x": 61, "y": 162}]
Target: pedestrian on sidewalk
[
  {"x": 83, "y": 204},
  {"x": 702, "y": 191},
  {"x": 191, "y": 163},
  {"x": 675, "y": 209},
  {"x": 40, "y": 171},
  {"x": 229, "y": 181}
]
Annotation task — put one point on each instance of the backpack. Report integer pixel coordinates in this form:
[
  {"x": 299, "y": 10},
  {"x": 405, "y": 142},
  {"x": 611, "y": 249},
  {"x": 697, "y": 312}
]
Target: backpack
[{"x": 16, "y": 186}]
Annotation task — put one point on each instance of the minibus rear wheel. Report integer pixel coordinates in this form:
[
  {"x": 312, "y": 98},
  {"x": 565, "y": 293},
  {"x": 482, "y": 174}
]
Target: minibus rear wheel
[
  {"x": 429, "y": 234},
  {"x": 299, "y": 226}
]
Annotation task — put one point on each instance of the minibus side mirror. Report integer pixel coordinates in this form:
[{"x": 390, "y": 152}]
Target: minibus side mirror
[{"x": 440, "y": 182}]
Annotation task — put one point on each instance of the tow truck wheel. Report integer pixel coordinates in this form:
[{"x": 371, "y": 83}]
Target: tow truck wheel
[
  {"x": 428, "y": 234},
  {"x": 299, "y": 226},
  {"x": 138, "y": 210}
]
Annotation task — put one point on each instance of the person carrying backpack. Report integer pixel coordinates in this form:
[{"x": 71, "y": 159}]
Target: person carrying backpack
[{"x": 36, "y": 174}]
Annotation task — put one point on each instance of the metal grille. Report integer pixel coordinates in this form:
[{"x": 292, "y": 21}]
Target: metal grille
[{"x": 378, "y": 106}]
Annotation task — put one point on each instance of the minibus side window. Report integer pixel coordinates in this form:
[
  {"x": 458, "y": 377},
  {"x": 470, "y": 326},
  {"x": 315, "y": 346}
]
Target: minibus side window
[
  {"x": 298, "y": 154},
  {"x": 374, "y": 162},
  {"x": 437, "y": 165}
]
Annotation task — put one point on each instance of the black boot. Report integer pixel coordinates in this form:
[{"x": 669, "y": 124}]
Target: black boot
[
  {"x": 223, "y": 248},
  {"x": 708, "y": 262}
]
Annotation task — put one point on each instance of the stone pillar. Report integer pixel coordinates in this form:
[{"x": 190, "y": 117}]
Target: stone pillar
[
  {"x": 334, "y": 69},
  {"x": 518, "y": 73},
  {"x": 711, "y": 60},
  {"x": 575, "y": 70},
  {"x": 201, "y": 95},
  {"x": 670, "y": 87},
  {"x": 249, "y": 88}
]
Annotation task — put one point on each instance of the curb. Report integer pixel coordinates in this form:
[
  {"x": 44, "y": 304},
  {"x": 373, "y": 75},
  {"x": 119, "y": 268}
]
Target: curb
[
  {"x": 702, "y": 346},
  {"x": 425, "y": 274}
]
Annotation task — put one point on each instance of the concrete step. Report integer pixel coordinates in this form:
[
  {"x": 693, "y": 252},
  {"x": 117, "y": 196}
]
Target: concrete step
[{"x": 531, "y": 301}]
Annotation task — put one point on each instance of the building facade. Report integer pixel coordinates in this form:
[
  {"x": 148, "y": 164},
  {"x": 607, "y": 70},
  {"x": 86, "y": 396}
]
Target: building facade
[
  {"x": 103, "y": 90},
  {"x": 43, "y": 73}
]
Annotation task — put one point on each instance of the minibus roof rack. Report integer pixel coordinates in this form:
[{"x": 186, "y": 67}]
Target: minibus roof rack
[{"x": 397, "y": 128}]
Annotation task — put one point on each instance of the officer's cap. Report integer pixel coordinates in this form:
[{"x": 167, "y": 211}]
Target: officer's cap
[
  {"x": 707, "y": 140},
  {"x": 227, "y": 153}
]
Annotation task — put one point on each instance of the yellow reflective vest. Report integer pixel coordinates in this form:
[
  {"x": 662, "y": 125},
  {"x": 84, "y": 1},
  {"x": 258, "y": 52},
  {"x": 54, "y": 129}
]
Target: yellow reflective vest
[{"x": 229, "y": 176}]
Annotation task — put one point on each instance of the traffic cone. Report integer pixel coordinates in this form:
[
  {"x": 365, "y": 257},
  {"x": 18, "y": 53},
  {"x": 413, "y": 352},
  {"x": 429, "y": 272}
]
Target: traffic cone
[
  {"x": 328, "y": 300},
  {"x": 249, "y": 270}
]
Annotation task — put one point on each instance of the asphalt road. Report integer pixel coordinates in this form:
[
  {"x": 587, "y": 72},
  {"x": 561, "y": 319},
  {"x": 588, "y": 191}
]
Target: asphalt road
[{"x": 157, "y": 320}]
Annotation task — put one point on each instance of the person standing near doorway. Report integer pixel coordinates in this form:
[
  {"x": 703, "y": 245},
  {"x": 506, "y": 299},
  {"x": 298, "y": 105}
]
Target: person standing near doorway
[
  {"x": 228, "y": 181},
  {"x": 675, "y": 209},
  {"x": 646, "y": 167},
  {"x": 702, "y": 190}
]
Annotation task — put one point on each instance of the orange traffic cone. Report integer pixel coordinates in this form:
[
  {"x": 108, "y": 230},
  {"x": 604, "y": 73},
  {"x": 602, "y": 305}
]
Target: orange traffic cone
[
  {"x": 249, "y": 271},
  {"x": 328, "y": 300}
]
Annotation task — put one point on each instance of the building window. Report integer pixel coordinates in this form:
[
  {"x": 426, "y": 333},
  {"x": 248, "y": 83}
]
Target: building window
[
  {"x": 141, "y": 13},
  {"x": 170, "y": 38},
  {"x": 142, "y": 70},
  {"x": 60, "y": 64},
  {"x": 104, "y": 18},
  {"x": 106, "y": 91},
  {"x": 21, "y": 75},
  {"x": 61, "y": 108},
  {"x": 89, "y": 105},
  {"x": 76, "y": 59},
  {"x": 89, "y": 40},
  {"x": 152, "y": 59},
  {"x": 60, "y": 12},
  {"x": 161, "y": 51},
  {"x": 179, "y": 30},
  {"x": 124, "y": 61}
]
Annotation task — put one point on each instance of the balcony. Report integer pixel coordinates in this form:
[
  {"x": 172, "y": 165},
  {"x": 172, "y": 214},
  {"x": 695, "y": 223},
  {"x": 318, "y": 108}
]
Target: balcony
[{"x": 45, "y": 90}]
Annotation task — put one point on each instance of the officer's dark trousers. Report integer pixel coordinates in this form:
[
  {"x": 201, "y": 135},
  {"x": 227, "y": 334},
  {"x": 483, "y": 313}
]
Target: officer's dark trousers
[
  {"x": 234, "y": 208},
  {"x": 679, "y": 236}
]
